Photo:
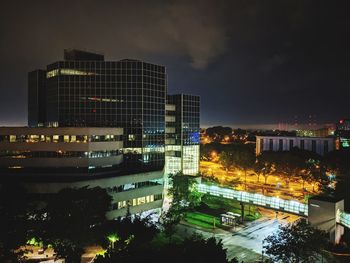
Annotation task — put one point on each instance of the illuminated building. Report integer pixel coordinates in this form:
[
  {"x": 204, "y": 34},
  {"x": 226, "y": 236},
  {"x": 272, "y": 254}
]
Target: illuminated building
[
  {"x": 66, "y": 151},
  {"x": 343, "y": 125},
  {"x": 343, "y": 133},
  {"x": 84, "y": 90},
  {"x": 182, "y": 134},
  {"x": 324, "y": 132},
  {"x": 46, "y": 160},
  {"x": 317, "y": 145}
]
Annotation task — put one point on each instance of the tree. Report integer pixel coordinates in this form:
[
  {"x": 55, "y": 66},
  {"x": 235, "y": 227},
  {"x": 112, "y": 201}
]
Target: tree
[
  {"x": 226, "y": 160},
  {"x": 243, "y": 159},
  {"x": 218, "y": 132},
  {"x": 265, "y": 164},
  {"x": 183, "y": 191},
  {"x": 192, "y": 249},
  {"x": 336, "y": 164},
  {"x": 289, "y": 165},
  {"x": 185, "y": 197},
  {"x": 14, "y": 226},
  {"x": 296, "y": 242},
  {"x": 71, "y": 219}
]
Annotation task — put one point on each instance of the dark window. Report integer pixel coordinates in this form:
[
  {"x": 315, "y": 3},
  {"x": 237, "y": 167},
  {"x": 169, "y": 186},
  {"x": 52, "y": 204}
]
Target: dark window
[
  {"x": 280, "y": 145},
  {"x": 313, "y": 145},
  {"x": 271, "y": 145},
  {"x": 261, "y": 145},
  {"x": 291, "y": 144},
  {"x": 302, "y": 144},
  {"x": 325, "y": 147}
]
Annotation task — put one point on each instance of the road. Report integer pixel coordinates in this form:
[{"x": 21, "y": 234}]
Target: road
[{"x": 245, "y": 242}]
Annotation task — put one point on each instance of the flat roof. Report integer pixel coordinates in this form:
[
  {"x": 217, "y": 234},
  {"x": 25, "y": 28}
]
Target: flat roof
[
  {"x": 61, "y": 130},
  {"x": 302, "y": 137},
  {"x": 326, "y": 198}
]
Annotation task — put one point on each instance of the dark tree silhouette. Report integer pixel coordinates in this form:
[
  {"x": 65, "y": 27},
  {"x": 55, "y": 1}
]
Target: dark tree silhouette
[
  {"x": 71, "y": 220},
  {"x": 294, "y": 243},
  {"x": 14, "y": 212}
]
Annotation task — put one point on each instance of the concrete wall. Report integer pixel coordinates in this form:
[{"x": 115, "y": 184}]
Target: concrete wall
[
  {"x": 63, "y": 146},
  {"x": 135, "y": 209},
  {"x": 323, "y": 215},
  {"x": 61, "y": 162}
]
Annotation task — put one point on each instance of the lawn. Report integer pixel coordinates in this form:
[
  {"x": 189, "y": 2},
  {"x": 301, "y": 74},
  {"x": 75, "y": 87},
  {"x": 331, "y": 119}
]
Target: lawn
[
  {"x": 212, "y": 207},
  {"x": 215, "y": 206},
  {"x": 202, "y": 220}
]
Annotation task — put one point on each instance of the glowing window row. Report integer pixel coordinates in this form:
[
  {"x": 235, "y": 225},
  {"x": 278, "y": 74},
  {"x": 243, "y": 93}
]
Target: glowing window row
[
  {"x": 60, "y": 138},
  {"x": 137, "y": 201},
  {"x": 59, "y": 154},
  {"x": 66, "y": 71}
]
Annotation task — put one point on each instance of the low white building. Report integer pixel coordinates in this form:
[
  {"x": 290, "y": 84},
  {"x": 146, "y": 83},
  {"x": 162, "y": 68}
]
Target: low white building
[
  {"x": 47, "y": 160},
  {"x": 317, "y": 145}
]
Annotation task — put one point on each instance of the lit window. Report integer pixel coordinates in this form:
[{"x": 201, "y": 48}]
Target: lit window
[
  {"x": 55, "y": 138},
  {"x": 52, "y": 73},
  {"x": 67, "y": 71}
]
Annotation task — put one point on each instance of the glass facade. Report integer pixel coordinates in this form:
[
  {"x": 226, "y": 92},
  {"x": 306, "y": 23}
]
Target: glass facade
[
  {"x": 130, "y": 94},
  {"x": 183, "y": 134}
]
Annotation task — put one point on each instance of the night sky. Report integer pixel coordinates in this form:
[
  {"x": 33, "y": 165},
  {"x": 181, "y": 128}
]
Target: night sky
[{"x": 252, "y": 62}]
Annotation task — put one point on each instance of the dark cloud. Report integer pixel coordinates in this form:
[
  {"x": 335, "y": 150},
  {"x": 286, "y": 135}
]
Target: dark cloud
[{"x": 251, "y": 61}]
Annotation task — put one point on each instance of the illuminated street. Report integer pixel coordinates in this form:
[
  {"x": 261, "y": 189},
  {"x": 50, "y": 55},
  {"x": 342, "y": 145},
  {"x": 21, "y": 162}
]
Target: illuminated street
[
  {"x": 245, "y": 242},
  {"x": 275, "y": 186}
]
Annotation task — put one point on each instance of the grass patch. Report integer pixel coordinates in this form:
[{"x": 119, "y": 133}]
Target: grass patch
[
  {"x": 216, "y": 206},
  {"x": 202, "y": 220}
]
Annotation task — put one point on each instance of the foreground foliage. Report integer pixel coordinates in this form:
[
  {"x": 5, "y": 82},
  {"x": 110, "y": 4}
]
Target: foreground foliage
[
  {"x": 296, "y": 243},
  {"x": 193, "y": 249}
]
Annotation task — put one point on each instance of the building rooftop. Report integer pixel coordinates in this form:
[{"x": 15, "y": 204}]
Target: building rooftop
[
  {"x": 75, "y": 54},
  {"x": 325, "y": 198}
]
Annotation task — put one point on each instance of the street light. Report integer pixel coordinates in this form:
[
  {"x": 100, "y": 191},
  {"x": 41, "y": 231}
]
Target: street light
[{"x": 112, "y": 239}]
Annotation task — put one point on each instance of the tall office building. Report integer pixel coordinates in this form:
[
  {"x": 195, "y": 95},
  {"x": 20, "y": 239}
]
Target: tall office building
[
  {"x": 182, "y": 134},
  {"x": 36, "y": 95},
  {"x": 85, "y": 90},
  {"x": 84, "y": 93}
]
